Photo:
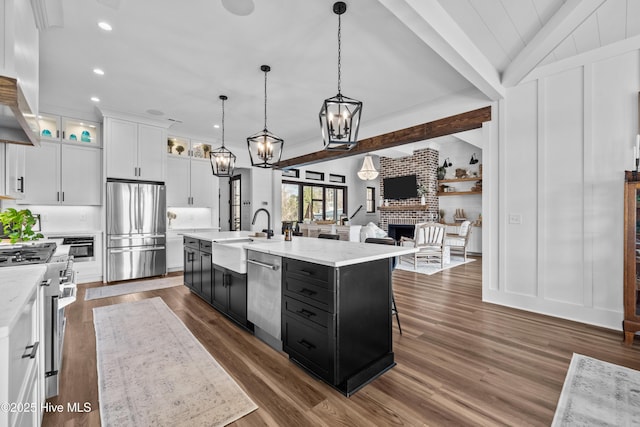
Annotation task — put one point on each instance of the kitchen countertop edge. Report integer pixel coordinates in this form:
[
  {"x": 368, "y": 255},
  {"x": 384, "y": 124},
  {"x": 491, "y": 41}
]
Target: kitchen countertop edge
[{"x": 17, "y": 284}]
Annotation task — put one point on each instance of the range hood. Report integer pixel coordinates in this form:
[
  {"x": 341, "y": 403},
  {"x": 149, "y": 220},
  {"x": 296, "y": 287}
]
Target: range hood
[{"x": 18, "y": 124}]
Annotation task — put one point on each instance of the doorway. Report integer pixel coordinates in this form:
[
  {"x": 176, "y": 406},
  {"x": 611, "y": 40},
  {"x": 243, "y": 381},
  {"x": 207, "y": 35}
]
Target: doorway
[{"x": 235, "y": 222}]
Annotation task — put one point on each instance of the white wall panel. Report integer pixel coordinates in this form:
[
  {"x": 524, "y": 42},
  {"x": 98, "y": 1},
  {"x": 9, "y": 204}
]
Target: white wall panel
[
  {"x": 581, "y": 122},
  {"x": 520, "y": 162},
  {"x": 562, "y": 180},
  {"x": 614, "y": 119}
]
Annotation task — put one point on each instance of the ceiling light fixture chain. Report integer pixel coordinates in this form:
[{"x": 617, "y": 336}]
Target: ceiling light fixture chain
[
  {"x": 340, "y": 115},
  {"x": 339, "y": 54},
  {"x": 222, "y": 160},
  {"x": 265, "y": 148}
]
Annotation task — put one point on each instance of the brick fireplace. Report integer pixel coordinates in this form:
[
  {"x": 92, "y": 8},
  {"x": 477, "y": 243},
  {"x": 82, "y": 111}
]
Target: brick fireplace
[{"x": 424, "y": 164}]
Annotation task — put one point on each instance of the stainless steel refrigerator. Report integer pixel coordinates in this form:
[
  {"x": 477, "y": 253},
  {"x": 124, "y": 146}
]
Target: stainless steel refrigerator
[{"x": 136, "y": 229}]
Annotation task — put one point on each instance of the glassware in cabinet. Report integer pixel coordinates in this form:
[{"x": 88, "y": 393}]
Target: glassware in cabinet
[
  {"x": 49, "y": 126},
  {"x": 80, "y": 131}
]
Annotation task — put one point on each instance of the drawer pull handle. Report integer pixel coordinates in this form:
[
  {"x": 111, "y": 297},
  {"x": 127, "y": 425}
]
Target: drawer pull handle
[
  {"x": 307, "y": 291},
  {"x": 306, "y": 344},
  {"x": 305, "y": 272},
  {"x": 34, "y": 350},
  {"x": 306, "y": 313},
  {"x": 46, "y": 282}
]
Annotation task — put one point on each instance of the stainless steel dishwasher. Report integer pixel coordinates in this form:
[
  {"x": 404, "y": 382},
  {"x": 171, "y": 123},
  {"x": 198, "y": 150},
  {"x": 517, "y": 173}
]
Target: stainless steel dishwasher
[{"x": 264, "y": 296}]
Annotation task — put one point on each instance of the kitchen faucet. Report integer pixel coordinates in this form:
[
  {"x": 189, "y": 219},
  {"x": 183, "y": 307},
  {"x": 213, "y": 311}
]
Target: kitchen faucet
[{"x": 269, "y": 231}]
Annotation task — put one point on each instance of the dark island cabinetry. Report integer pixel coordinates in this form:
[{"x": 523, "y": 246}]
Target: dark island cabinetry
[
  {"x": 336, "y": 321},
  {"x": 223, "y": 289}
]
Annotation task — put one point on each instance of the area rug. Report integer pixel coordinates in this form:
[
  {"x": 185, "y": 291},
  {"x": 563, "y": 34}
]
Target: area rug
[
  {"x": 129, "y": 288},
  {"x": 153, "y": 372},
  {"x": 432, "y": 268},
  {"x": 598, "y": 393}
]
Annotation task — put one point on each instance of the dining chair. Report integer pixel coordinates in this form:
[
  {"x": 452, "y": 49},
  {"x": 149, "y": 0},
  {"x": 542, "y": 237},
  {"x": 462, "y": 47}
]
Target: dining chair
[
  {"x": 388, "y": 241},
  {"x": 429, "y": 239},
  {"x": 328, "y": 236}
]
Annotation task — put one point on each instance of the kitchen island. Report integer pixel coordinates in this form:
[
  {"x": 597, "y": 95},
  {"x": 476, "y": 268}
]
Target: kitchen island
[{"x": 330, "y": 301}]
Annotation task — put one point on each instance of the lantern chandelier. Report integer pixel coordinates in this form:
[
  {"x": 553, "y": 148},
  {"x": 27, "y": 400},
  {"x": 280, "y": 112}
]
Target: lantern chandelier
[
  {"x": 265, "y": 148},
  {"x": 340, "y": 115},
  {"x": 222, "y": 160}
]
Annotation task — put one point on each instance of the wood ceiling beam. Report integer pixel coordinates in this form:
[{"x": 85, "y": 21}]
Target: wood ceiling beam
[
  {"x": 437, "y": 29},
  {"x": 564, "y": 22},
  {"x": 441, "y": 127}
]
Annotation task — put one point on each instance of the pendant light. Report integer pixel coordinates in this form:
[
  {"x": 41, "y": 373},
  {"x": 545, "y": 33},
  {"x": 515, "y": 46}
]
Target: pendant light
[
  {"x": 368, "y": 172},
  {"x": 340, "y": 115},
  {"x": 265, "y": 148},
  {"x": 222, "y": 160}
]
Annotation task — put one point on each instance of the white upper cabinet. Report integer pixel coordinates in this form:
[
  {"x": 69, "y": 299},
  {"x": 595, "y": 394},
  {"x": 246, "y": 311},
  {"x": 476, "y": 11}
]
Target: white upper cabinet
[
  {"x": 66, "y": 129},
  {"x": 190, "y": 181},
  {"x": 15, "y": 171},
  {"x": 134, "y": 150},
  {"x": 63, "y": 174}
]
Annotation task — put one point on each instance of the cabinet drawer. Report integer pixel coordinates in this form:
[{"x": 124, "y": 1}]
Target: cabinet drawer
[
  {"x": 308, "y": 345},
  {"x": 21, "y": 338},
  {"x": 306, "y": 269},
  {"x": 205, "y": 246},
  {"x": 192, "y": 243},
  {"x": 308, "y": 291},
  {"x": 307, "y": 312}
]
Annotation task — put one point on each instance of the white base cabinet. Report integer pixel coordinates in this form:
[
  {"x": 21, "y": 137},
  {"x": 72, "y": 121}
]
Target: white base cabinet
[
  {"x": 22, "y": 366},
  {"x": 63, "y": 174}
]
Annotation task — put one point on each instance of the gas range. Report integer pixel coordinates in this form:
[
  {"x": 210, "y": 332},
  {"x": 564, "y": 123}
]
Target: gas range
[{"x": 26, "y": 253}]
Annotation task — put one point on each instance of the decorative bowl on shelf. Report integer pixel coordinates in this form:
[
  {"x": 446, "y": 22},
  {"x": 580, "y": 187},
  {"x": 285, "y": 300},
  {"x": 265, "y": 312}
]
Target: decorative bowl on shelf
[
  {"x": 46, "y": 132},
  {"x": 198, "y": 152},
  {"x": 85, "y": 136},
  {"x": 73, "y": 137}
]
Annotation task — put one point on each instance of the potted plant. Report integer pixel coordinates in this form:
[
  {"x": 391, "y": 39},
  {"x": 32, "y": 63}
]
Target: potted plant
[
  {"x": 422, "y": 191},
  {"x": 179, "y": 149},
  {"x": 17, "y": 225}
]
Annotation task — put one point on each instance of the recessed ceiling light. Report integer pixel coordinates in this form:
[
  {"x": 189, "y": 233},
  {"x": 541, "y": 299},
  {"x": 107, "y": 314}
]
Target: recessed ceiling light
[
  {"x": 98, "y": 71},
  {"x": 239, "y": 7},
  {"x": 95, "y": 99},
  {"x": 216, "y": 126},
  {"x": 105, "y": 26}
]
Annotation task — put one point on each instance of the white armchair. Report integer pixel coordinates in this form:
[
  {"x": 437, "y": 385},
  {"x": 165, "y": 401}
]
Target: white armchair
[
  {"x": 429, "y": 239},
  {"x": 458, "y": 242}
]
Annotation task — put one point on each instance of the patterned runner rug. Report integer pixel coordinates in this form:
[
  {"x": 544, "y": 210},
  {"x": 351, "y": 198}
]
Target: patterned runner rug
[
  {"x": 131, "y": 287},
  {"x": 153, "y": 372},
  {"x": 598, "y": 393}
]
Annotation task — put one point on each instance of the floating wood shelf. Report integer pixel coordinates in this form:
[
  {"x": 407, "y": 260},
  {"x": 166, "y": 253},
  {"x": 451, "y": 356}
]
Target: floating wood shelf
[
  {"x": 458, "y": 193},
  {"x": 405, "y": 208},
  {"x": 477, "y": 178},
  {"x": 6, "y": 198}
]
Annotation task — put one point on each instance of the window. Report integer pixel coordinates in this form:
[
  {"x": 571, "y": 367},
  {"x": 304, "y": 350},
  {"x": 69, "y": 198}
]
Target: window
[
  {"x": 316, "y": 176},
  {"x": 371, "y": 199},
  {"x": 313, "y": 202},
  {"x": 291, "y": 173},
  {"x": 337, "y": 178}
]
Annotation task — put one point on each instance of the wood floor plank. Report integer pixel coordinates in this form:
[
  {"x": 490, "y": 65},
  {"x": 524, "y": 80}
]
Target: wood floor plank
[{"x": 459, "y": 361}]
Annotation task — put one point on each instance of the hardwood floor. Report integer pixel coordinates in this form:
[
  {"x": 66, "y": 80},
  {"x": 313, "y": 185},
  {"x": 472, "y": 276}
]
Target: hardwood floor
[{"x": 459, "y": 361}]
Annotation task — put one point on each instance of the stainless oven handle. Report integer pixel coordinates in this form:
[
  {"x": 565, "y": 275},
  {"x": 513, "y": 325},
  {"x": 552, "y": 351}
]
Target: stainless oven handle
[
  {"x": 119, "y": 251},
  {"x": 263, "y": 264}
]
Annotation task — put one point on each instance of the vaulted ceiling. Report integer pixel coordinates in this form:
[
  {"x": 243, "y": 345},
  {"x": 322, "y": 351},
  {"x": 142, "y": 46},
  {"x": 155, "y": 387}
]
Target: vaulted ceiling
[{"x": 405, "y": 59}]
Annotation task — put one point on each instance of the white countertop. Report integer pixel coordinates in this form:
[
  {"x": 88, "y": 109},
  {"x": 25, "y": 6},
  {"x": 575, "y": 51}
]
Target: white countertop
[
  {"x": 17, "y": 284},
  {"x": 334, "y": 253},
  {"x": 218, "y": 236}
]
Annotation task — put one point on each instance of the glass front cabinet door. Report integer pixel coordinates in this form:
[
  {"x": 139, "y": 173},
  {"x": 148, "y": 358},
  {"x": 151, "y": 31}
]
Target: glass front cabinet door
[{"x": 631, "y": 322}]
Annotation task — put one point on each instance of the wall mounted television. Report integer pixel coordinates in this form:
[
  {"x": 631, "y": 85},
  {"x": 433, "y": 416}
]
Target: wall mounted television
[{"x": 400, "y": 187}]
